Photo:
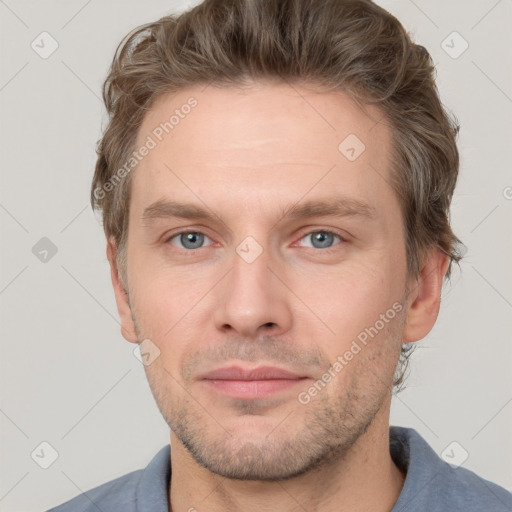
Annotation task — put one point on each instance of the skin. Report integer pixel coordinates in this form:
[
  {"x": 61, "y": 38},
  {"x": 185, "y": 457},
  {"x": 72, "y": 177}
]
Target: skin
[{"x": 246, "y": 155}]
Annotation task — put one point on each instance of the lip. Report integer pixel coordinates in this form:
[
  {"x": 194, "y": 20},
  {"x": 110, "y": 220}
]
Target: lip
[
  {"x": 259, "y": 373},
  {"x": 251, "y": 384}
]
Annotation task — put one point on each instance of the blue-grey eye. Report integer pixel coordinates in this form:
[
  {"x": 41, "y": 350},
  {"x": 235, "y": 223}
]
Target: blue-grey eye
[
  {"x": 321, "y": 239},
  {"x": 190, "y": 240}
]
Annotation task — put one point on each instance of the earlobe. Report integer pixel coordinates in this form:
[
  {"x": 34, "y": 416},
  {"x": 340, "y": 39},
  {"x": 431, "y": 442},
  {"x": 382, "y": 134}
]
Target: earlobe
[
  {"x": 123, "y": 305},
  {"x": 425, "y": 296}
]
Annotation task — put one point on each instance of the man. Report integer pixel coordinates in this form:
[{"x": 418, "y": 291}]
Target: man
[{"x": 275, "y": 182}]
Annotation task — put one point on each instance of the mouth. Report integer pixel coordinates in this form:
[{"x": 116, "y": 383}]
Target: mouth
[{"x": 251, "y": 384}]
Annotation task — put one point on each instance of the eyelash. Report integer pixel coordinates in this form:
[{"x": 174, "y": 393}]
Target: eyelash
[
  {"x": 326, "y": 249},
  {"x": 325, "y": 231}
]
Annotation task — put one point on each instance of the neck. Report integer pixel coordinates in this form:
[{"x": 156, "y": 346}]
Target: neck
[{"x": 364, "y": 478}]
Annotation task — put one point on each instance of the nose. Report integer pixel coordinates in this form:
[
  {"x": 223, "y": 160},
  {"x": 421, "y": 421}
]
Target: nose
[{"x": 253, "y": 300}]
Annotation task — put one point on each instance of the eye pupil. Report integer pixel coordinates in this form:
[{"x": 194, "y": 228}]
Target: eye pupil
[
  {"x": 321, "y": 239},
  {"x": 192, "y": 240}
]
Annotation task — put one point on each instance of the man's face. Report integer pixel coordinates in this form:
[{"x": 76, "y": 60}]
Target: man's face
[{"x": 272, "y": 275}]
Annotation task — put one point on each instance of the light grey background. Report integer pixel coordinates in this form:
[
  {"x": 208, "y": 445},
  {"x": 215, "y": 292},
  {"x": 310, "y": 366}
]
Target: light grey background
[{"x": 67, "y": 375}]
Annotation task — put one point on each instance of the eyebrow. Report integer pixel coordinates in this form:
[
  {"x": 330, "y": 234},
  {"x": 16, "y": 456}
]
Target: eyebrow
[
  {"x": 163, "y": 209},
  {"x": 339, "y": 206},
  {"x": 330, "y": 207}
]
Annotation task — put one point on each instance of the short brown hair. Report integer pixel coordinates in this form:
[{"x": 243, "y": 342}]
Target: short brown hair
[{"x": 349, "y": 45}]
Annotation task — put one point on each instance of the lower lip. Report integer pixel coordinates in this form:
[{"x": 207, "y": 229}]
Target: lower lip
[{"x": 252, "y": 389}]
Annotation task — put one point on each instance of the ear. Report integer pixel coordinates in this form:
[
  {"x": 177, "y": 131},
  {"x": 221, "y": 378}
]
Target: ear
[
  {"x": 123, "y": 305},
  {"x": 425, "y": 296}
]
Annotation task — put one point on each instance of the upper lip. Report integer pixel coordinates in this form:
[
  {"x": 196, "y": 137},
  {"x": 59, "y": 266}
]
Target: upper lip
[{"x": 260, "y": 373}]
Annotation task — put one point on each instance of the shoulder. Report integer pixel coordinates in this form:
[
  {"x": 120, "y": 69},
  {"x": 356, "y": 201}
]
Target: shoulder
[
  {"x": 473, "y": 493},
  {"x": 117, "y": 494},
  {"x": 432, "y": 484},
  {"x": 146, "y": 488}
]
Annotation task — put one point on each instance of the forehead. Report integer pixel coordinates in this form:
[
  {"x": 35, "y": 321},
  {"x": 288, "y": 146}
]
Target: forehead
[{"x": 267, "y": 137}]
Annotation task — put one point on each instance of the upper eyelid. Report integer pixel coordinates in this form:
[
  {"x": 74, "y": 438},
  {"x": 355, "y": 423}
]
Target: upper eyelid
[
  {"x": 331, "y": 231},
  {"x": 184, "y": 232},
  {"x": 335, "y": 233}
]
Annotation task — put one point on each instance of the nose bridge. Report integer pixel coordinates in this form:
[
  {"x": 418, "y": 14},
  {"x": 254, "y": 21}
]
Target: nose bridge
[
  {"x": 252, "y": 296},
  {"x": 250, "y": 273}
]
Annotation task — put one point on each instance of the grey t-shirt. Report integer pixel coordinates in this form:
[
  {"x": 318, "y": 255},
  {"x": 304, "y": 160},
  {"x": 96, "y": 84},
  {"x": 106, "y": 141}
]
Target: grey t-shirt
[{"x": 430, "y": 485}]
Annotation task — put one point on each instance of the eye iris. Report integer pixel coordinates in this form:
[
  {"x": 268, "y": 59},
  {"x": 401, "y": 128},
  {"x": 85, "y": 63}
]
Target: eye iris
[
  {"x": 322, "y": 239},
  {"x": 192, "y": 240}
]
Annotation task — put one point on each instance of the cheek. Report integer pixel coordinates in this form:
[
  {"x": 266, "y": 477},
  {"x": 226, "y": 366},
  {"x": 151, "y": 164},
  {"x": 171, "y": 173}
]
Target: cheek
[
  {"x": 361, "y": 306},
  {"x": 352, "y": 297},
  {"x": 169, "y": 306},
  {"x": 158, "y": 302}
]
